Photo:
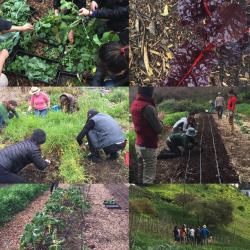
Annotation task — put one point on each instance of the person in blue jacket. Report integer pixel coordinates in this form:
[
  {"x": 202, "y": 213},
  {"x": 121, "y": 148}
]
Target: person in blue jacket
[{"x": 204, "y": 234}]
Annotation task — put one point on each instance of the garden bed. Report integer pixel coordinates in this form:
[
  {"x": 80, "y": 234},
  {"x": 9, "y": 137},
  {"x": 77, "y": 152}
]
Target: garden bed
[
  {"x": 163, "y": 36},
  {"x": 70, "y": 79}
]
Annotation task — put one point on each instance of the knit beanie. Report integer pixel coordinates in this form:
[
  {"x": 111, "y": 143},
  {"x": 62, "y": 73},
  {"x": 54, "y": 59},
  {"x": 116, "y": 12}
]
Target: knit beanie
[
  {"x": 148, "y": 91},
  {"x": 39, "y": 136}
]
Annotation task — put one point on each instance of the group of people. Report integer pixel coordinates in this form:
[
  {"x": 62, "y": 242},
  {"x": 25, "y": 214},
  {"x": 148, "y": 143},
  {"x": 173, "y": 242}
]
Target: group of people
[
  {"x": 113, "y": 56},
  {"x": 148, "y": 124},
  {"x": 199, "y": 236},
  {"x": 101, "y": 131}
]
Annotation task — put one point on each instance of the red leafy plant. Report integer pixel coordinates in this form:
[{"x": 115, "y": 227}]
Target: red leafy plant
[{"x": 225, "y": 28}]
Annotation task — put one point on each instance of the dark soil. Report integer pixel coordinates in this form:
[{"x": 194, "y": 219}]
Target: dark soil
[
  {"x": 163, "y": 36},
  {"x": 173, "y": 170}
]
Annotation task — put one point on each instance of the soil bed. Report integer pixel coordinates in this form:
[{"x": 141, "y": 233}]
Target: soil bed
[{"x": 163, "y": 36}]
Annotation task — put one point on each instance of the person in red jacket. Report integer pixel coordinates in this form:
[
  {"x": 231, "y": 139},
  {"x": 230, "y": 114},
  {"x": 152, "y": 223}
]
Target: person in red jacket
[
  {"x": 147, "y": 124},
  {"x": 230, "y": 107}
]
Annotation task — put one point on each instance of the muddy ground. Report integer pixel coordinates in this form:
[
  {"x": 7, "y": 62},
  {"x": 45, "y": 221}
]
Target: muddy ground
[
  {"x": 232, "y": 157},
  {"x": 163, "y": 36}
]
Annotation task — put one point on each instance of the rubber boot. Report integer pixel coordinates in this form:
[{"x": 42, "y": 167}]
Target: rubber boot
[
  {"x": 94, "y": 158},
  {"x": 113, "y": 156}
]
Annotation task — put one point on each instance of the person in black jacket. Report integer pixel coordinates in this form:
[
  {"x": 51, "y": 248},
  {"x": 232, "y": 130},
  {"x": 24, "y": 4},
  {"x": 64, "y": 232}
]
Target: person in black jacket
[
  {"x": 114, "y": 62},
  {"x": 102, "y": 132},
  {"x": 79, "y": 3},
  {"x": 14, "y": 158},
  {"x": 116, "y": 14}
]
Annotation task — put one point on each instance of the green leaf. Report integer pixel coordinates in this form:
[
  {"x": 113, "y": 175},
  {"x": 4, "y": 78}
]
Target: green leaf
[{"x": 165, "y": 11}]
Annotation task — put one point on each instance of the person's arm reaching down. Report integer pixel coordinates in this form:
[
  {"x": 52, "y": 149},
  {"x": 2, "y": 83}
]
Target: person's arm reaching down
[
  {"x": 88, "y": 126},
  {"x": 3, "y": 56},
  {"x": 37, "y": 159}
]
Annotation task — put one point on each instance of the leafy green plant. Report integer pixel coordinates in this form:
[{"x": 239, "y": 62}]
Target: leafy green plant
[
  {"x": 171, "y": 119},
  {"x": 27, "y": 41},
  {"x": 34, "y": 68},
  {"x": 53, "y": 53},
  {"x": 9, "y": 40},
  {"x": 17, "y": 12}
]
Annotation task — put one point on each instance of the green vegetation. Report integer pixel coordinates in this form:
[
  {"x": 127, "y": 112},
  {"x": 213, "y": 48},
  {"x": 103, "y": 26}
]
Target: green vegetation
[
  {"x": 59, "y": 207},
  {"x": 62, "y": 129},
  {"x": 171, "y": 119},
  {"x": 163, "y": 196},
  {"x": 15, "y": 198},
  {"x": 243, "y": 108},
  {"x": 52, "y": 52}
]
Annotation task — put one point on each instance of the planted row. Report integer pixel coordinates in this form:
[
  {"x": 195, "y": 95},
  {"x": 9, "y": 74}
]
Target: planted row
[
  {"x": 57, "y": 217},
  {"x": 17, "y": 197}
]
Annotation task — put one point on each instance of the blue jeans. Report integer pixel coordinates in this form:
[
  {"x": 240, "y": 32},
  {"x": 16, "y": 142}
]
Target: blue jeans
[
  {"x": 10, "y": 115},
  {"x": 220, "y": 111},
  {"x": 42, "y": 113},
  {"x": 109, "y": 83}
]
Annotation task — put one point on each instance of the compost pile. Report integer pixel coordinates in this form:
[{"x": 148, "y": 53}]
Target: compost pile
[
  {"x": 46, "y": 51},
  {"x": 193, "y": 43}
]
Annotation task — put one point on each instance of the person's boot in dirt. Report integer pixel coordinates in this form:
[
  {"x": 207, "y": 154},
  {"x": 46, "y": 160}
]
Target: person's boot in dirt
[
  {"x": 94, "y": 158},
  {"x": 113, "y": 156},
  {"x": 162, "y": 153}
]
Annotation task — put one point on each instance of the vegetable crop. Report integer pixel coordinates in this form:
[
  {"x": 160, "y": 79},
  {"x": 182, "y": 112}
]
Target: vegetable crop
[{"x": 215, "y": 27}]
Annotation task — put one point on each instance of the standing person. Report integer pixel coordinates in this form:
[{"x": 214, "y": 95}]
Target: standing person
[
  {"x": 186, "y": 140},
  {"x": 114, "y": 63},
  {"x": 116, "y": 13},
  {"x": 39, "y": 99},
  {"x": 79, "y": 3},
  {"x": 147, "y": 124},
  {"x": 7, "y": 112},
  {"x": 197, "y": 235},
  {"x": 191, "y": 235},
  {"x": 102, "y": 132},
  {"x": 181, "y": 126},
  {"x": 176, "y": 234},
  {"x": 183, "y": 234},
  {"x": 6, "y": 27},
  {"x": 15, "y": 157},
  {"x": 204, "y": 233},
  {"x": 69, "y": 103},
  {"x": 219, "y": 104},
  {"x": 230, "y": 107}
]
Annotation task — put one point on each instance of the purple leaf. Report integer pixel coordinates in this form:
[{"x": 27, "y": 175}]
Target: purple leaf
[
  {"x": 226, "y": 26},
  {"x": 185, "y": 57}
]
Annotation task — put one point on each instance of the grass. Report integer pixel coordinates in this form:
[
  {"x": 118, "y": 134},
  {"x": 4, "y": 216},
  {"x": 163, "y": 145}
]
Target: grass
[
  {"x": 243, "y": 108},
  {"x": 62, "y": 128},
  {"x": 158, "y": 193}
]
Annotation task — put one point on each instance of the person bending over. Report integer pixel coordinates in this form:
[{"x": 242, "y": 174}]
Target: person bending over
[
  {"x": 102, "y": 132},
  {"x": 113, "y": 62},
  {"x": 7, "y": 112},
  {"x": 181, "y": 126},
  {"x": 14, "y": 158},
  {"x": 69, "y": 103},
  {"x": 185, "y": 140}
]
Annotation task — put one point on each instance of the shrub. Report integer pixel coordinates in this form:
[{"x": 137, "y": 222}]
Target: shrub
[
  {"x": 143, "y": 206},
  {"x": 171, "y": 119},
  {"x": 241, "y": 208},
  {"x": 167, "y": 105},
  {"x": 189, "y": 105}
]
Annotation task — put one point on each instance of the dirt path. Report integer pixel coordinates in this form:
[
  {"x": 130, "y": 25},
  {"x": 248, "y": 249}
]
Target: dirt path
[
  {"x": 11, "y": 232},
  {"x": 237, "y": 146},
  {"x": 105, "y": 229}
]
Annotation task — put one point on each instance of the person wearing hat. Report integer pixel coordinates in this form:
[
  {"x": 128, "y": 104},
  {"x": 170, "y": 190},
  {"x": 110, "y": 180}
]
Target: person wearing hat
[
  {"x": 230, "y": 107},
  {"x": 39, "y": 99},
  {"x": 186, "y": 140},
  {"x": 15, "y": 157},
  {"x": 204, "y": 232},
  {"x": 102, "y": 132},
  {"x": 7, "y": 112},
  {"x": 148, "y": 125},
  {"x": 213, "y": 105},
  {"x": 69, "y": 103},
  {"x": 219, "y": 104},
  {"x": 6, "y": 27}
]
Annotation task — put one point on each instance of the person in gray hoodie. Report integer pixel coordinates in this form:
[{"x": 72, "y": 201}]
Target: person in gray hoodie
[
  {"x": 102, "y": 132},
  {"x": 182, "y": 125}
]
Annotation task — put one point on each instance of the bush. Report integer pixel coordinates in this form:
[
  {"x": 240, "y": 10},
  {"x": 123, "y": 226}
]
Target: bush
[
  {"x": 167, "y": 106},
  {"x": 142, "y": 205},
  {"x": 241, "y": 208},
  {"x": 17, "y": 197},
  {"x": 189, "y": 105},
  {"x": 118, "y": 95},
  {"x": 171, "y": 119}
]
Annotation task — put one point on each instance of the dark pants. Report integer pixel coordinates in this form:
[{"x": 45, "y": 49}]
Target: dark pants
[
  {"x": 220, "y": 111},
  {"x": 8, "y": 177},
  {"x": 112, "y": 149},
  {"x": 52, "y": 187},
  {"x": 2, "y": 123},
  {"x": 174, "y": 150}
]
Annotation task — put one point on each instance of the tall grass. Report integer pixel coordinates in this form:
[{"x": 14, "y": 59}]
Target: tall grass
[
  {"x": 62, "y": 129},
  {"x": 243, "y": 108}
]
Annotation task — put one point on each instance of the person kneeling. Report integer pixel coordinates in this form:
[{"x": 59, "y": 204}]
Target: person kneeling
[
  {"x": 69, "y": 103},
  {"x": 14, "y": 158},
  {"x": 102, "y": 132},
  {"x": 175, "y": 140}
]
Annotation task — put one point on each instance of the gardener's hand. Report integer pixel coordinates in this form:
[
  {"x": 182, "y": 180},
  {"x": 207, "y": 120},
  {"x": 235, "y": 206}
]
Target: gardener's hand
[
  {"x": 56, "y": 12},
  {"x": 48, "y": 162},
  {"x": 26, "y": 27},
  {"x": 85, "y": 12},
  {"x": 71, "y": 36},
  {"x": 49, "y": 109},
  {"x": 162, "y": 115},
  {"x": 83, "y": 147},
  {"x": 94, "y": 5},
  {"x": 4, "y": 53}
]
